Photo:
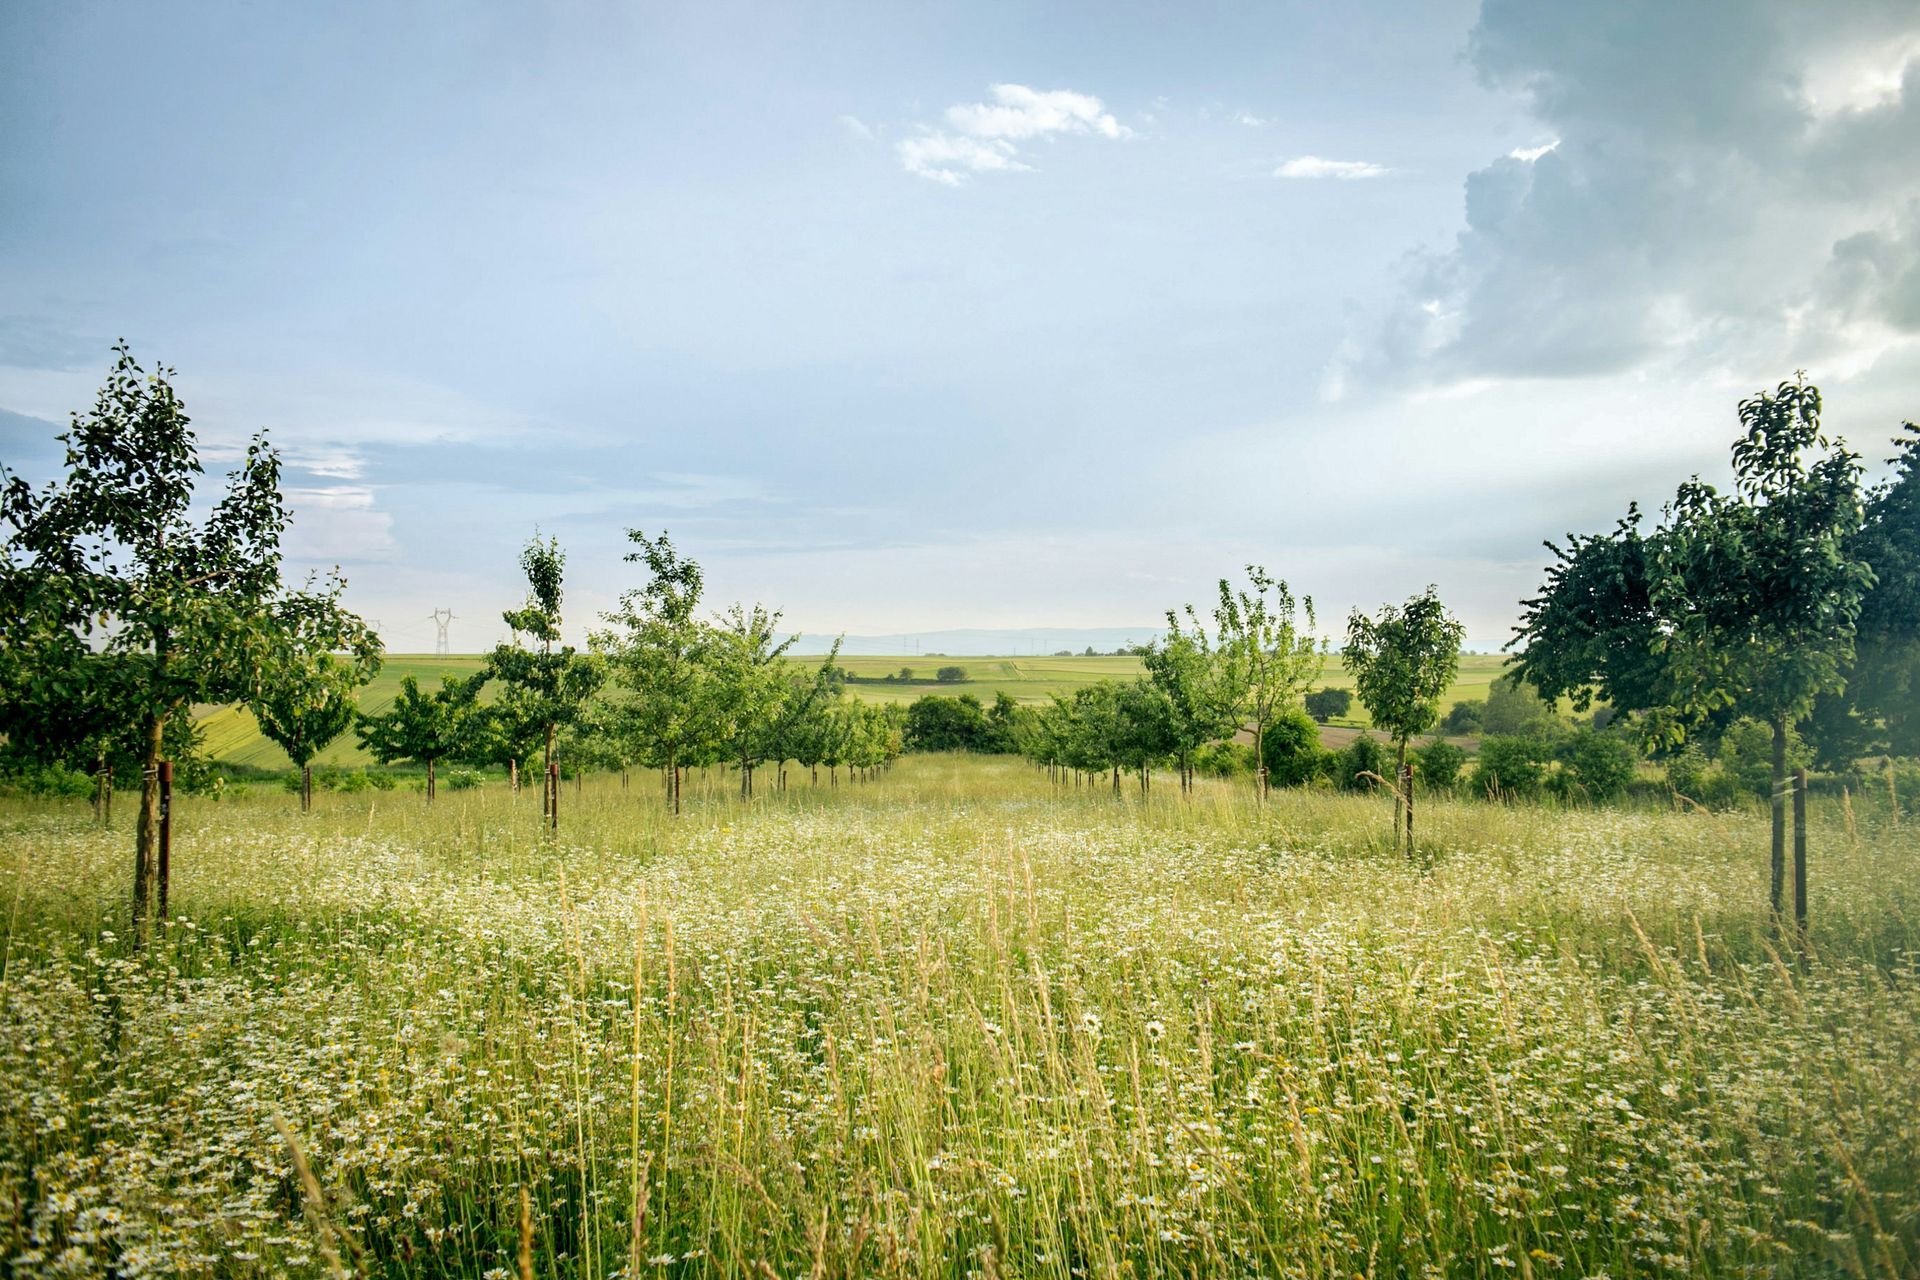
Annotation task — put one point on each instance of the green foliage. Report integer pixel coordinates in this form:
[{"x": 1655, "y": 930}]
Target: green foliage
[
  {"x": 1746, "y": 754},
  {"x": 1329, "y": 704},
  {"x": 312, "y": 700},
  {"x": 1200, "y": 691},
  {"x": 1510, "y": 766},
  {"x": 1763, "y": 586},
  {"x": 126, "y": 606},
  {"x": 423, "y": 727},
  {"x": 659, "y": 656},
  {"x": 1223, "y": 760},
  {"x": 1464, "y": 719},
  {"x": 546, "y": 689},
  {"x": 1403, "y": 661},
  {"x": 463, "y": 779},
  {"x": 1268, "y": 649},
  {"x": 1439, "y": 764},
  {"x": 1595, "y": 766},
  {"x": 937, "y": 723},
  {"x": 1364, "y": 755},
  {"x": 50, "y": 781},
  {"x": 1294, "y": 755},
  {"x": 950, "y": 675},
  {"x": 1514, "y": 709},
  {"x": 1594, "y": 630}
]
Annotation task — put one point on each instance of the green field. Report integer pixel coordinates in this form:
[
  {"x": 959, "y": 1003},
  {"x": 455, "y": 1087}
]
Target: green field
[
  {"x": 233, "y": 737},
  {"x": 958, "y": 1022}
]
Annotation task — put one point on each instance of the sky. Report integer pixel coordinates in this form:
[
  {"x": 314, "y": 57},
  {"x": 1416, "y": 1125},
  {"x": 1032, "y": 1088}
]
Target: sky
[{"x": 906, "y": 317}]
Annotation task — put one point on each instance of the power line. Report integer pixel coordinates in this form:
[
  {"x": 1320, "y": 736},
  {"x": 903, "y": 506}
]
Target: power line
[{"x": 441, "y": 617}]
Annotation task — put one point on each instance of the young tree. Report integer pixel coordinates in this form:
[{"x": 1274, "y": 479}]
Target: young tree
[
  {"x": 1199, "y": 690},
  {"x": 749, "y": 686},
  {"x": 1402, "y": 662},
  {"x": 546, "y": 688},
  {"x": 660, "y": 655},
  {"x": 1762, "y": 587},
  {"x": 1268, "y": 653},
  {"x": 425, "y": 727},
  {"x": 1593, "y": 631},
  {"x": 119, "y": 600},
  {"x": 310, "y": 700}
]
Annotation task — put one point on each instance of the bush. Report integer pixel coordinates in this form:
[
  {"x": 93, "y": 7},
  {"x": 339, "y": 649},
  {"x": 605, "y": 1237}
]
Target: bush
[
  {"x": 1326, "y": 704},
  {"x": 1363, "y": 755},
  {"x": 1439, "y": 763},
  {"x": 1510, "y": 766},
  {"x": 950, "y": 675},
  {"x": 1687, "y": 772},
  {"x": 1594, "y": 766},
  {"x": 935, "y": 723},
  {"x": 1746, "y": 754},
  {"x": 463, "y": 779},
  {"x": 53, "y": 781},
  {"x": 1223, "y": 760},
  {"x": 1292, "y": 745},
  {"x": 1513, "y": 709},
  {"x": 1465, "y": 720}
]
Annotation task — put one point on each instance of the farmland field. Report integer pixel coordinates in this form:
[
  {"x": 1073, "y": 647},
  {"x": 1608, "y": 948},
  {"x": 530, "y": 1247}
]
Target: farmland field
[
  {"x": 955, "y": 1022},
  {"x": 233, "y": 737}
]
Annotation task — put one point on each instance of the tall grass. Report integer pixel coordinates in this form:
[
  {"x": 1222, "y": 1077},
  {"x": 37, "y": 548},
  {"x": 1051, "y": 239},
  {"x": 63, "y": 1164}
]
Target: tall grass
[{"x": 956, "y": 1022}]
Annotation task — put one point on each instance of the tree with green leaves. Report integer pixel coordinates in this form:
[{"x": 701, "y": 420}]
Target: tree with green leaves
[
  {"x": 121, "y": 600},
  {"x": 1402, "y": 661},
  {"x": 660, "y": 655},
  {"x": 423, "y": 727},
  {"x": 1268, "y": 653},
  {"x": 749, "y": 685},
  {"x": 1762, "y": 587},
  {"x": 548, "y": 687},
  {"x": 1594, "y": 631},
  {"x": 1199, "y": 690},
  {"x": 311, "y": 700}
]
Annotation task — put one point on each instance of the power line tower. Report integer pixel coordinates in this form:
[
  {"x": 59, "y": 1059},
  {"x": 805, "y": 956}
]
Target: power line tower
[{"x": 441, "y": 617}]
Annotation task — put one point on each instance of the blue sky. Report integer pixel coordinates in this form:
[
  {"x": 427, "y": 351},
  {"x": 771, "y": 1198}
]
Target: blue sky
[{"x": 909, "y": 317}]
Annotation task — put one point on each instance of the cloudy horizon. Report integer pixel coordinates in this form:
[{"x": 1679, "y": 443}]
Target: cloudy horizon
[{"x": 914, "y": 320}]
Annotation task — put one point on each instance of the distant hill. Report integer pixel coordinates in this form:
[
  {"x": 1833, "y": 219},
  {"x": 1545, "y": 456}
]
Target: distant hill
[{"x": 1032, "y": 642}]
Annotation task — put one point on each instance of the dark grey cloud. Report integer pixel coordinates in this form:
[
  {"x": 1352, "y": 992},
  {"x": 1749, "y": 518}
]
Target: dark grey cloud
[{"x": 1730, "y": 182}]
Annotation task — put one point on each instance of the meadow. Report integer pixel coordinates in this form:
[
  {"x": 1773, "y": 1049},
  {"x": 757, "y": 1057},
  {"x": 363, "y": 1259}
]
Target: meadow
[
  {"x": 233, "y": 737},
  {"x": 956, "y": 1022}
]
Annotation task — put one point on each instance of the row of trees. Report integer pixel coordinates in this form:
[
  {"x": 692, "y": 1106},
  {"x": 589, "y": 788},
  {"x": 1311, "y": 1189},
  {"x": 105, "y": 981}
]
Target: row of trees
[{"x": 662, "y": 686}]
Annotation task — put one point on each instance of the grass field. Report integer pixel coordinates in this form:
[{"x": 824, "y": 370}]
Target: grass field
[
  {"x": 232, "y": 735},
  {"x": 957, "y": 1023}
]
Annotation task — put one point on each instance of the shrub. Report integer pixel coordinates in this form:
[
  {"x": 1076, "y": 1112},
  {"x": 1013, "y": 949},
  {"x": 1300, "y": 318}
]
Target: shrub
[
  {"x": 1746, "y": 754},
  {"x": 1223, "y": 760},
  {"x": 1510, "y": 766},
  {"x": 1465, "y": 719},
  {"x": 1325, "y": 704},
  {"x": 950, "y": 675},
  {"x": 463, "y": 779},
  {"x": 1514, "y": 709},
  {"x": 54, "y": 781},
  {"x": 935, "y": 723},
  {"x": 1595, "y": 766},
  {"x": 1439, "y": 763},
  {"x": 1364, "y": 754},
  {"x": 1293, "y": 750}
]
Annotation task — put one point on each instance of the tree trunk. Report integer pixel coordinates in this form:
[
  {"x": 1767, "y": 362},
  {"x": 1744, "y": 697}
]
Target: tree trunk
[
  {"x": 513, "y": 775},
  {"x": 1778, "y": 866},
  {"x": 1399, "y": 781},
  {"x": 673, "y": 780},
  {"x": 100, "y": 789},
  {"x": 1800, "y": 848},
  {"x": 553, "y": 788},
  {"x": 429, "y": 779},
  {"x": 1260, "y": 758},
  {"x": 306, "y": 788},
  {"x": 746, "y": 778},
  {"x": 1116, "y": 779},
  {"x": 147, "y": 835}
]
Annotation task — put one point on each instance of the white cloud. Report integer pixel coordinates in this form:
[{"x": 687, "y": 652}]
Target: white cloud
[
  {"x": 1248, "y": 119},
  {"x": 337, "y": 524},
  {"x": 1315, "y": 167},
  {"x": 1528, "y": 155},
  {"x": 984, "y": 137},
  {"x": 856, "y": 126}
]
